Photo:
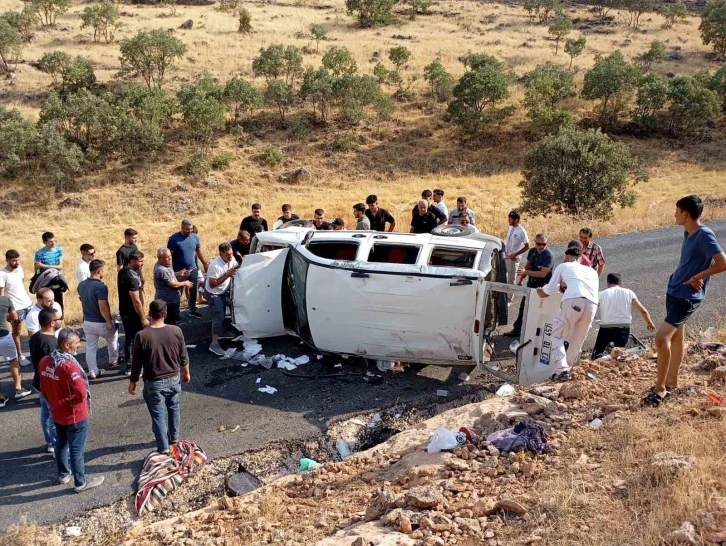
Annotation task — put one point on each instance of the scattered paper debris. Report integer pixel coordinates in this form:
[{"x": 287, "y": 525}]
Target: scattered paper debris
[
  {"x": 343, "y": 449},
  {"x": 505, "y": 390},
  {"x": 235, "y": 429},
  {"x": 240, "y": 338},
  {"x": 228, "y": 353},
  {"x": 595, "y": 424},
  {"x": 73, "y": 531},
  {"x": 286, "y": 365},
  {"x": 374, "y": 420},
  {"x": 267, "y": 389},
  {"x": 258, "y": 380},
  {"x": 357, "y": 421},
  {"x": 442, "y": 393},
  {"x": 338, "y": 365},
  {"x": 299, "y": 361},
  {"x": 191, "y": 346}
]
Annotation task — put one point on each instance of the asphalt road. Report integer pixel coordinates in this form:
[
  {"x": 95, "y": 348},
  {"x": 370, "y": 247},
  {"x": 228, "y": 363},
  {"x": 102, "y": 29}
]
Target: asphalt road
[{"x": 223, "y": 393}]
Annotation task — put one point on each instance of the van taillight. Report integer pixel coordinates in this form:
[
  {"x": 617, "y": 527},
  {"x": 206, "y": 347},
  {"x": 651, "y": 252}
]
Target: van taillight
[{"x": 476, "y": 326}]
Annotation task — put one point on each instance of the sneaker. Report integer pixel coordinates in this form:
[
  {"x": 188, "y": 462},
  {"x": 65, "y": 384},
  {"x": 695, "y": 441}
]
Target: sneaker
[
  {"x": 90, "y": 484},
  {"x": 195, "y": 314},
  {"x": 127, "y": 373},
  {"x": 114, "y": 364},
  {"x": 50, "y": 449},
  {"x": 24, "y": 362},
  {"x": 65, "y": 479},
  {"x": 21, "y": 393},
  {"x": 3, "y": 402},
  {"x": 93, "y": 375},
  {"x": 216, "y": 348}
]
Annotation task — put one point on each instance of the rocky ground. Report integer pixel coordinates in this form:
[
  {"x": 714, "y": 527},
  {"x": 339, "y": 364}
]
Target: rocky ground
[{"x": 620, "y": 475}]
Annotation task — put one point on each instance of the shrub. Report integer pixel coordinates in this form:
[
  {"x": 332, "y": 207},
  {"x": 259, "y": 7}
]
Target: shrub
[
  {"x": 49, "y": 10},
  {"x": 673, "y": 13},
  {"x": 77, "y": 75},
  {"x": 16, "y": 135},
  {"x": 543, "y": 9},
  {"x": 635, "y": 10},
  {"x": 54, "y": 63},
  {"x": 547, "y": 86},
  {"x": 655, "y": 54},
  {"x": 103, "y": 17},
  {"x": 383, "y": 106},
  {"x": 691, "y": 105},
  {"x": 574, "y": 48},
  {"x": 279, "y": 94},
  {"x": 343, "y": 143},
  {"x": 399, "y": 56},
  {"x": 560, "y": 28},
  {"x": 381, "y": 73},
  {"x": 370, "y": 13},
  {"x": 299, "y": 129},
  {"x": 579, "y": 173},
  {"x": 713, "y": 26},
  {"x": 418, "y": 6},
  {"x": 197, "y": 165},
  {"x": 476, "y": 96},
  {"x": 319, "y": 33},
  {"x": 352, "y": 93},
  {"x": 57, "y": 158},
  {"x": 278, "y": 62},
  {"x": 439, "y": 79},
  {"x": 244, "y": 20},
  {"x": 220, "y": 162},
  {"x": 11, "y": 46},
  {"x": 152, "y": 107},
  {"x": 717, "y": 83},
  {"x": 649, "y": 101},
  {"x": 203, "y": 112},
  {"x": 150, "y": 54},
  {"x": 228, "y": 6},
  {"x": 603, "y": 7},
  {"x": 339, "y": 61},
  {"x": 317, "y": 87},
  {"x": 272, "y": 155},
  {"x": 610, "y": 81},
  {"x": 473, "y": 61},
  {"x": 22, "y": 21},
  {"x": 241, "y": 96}
]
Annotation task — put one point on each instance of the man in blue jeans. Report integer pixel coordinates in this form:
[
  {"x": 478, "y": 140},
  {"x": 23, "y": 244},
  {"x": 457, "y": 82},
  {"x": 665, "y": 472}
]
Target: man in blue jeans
[
  {"x": 185, "y": 248},
  {"x": 219, "y": 278},
  {"x": 160, "y": 355},
  {"x": 701, "y": 257}
]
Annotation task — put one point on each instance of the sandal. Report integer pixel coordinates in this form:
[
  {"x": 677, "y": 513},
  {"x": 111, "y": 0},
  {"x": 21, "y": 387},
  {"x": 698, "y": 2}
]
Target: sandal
[{"x": 653, "y": 399}]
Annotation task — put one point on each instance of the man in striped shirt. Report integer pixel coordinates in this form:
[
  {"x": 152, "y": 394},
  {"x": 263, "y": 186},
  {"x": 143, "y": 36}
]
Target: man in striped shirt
[{"x": 592, "y": 251}]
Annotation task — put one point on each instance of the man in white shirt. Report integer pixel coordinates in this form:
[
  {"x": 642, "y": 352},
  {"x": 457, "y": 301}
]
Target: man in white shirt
[
  {"x": 516, "y": 245},
  {"x": 219, "y": 278},
  {"x": 439, "y": 202},
  {"x": 83, "y": 271},
  {"x": 579, "y": 303},
  {"x": 45, "y": 299},
  {"x": 12, "y": 279},
  {"x": 616, "y": 315}
]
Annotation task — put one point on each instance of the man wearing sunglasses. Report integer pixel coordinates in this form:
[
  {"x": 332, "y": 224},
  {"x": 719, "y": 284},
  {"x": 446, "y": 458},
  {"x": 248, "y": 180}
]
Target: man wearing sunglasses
[{"x": 538, "y": 271}]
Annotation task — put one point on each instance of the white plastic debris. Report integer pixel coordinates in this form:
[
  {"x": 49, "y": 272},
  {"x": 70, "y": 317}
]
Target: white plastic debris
[
  {"x": 319, "y": 357},
  {"x": 258, "y": 380},
  {"x": 463, "y": 376},
  {"x": 338, "y": 365},
  {"x": 635, "y": 350},
  {"x": 299, "y": 361},
  {"x": 267, "y": 389},
  {"x": 595, "y": 424},
  {"x": 505, "y": 390},
  {"x": 441, "y": 440},
  {"x": 252, "y": 349},
  {"x": 191, "y": 346},
  {"x": 374, "y": 420},
  {"x": 357, "y": 421},
  {"x": 286, "y": 365},
  {"x": 73, "y": 531},
  {"x": 343, "y": 449},
  {"x": 228, "y": 353},
  {"x": 513, "y": 346},
  {"x": 443, "y": 393},
  {"x": 240, "y": 338}
]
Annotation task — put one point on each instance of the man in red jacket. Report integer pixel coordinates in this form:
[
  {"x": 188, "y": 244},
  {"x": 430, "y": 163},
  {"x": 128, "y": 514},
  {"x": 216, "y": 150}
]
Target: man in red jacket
[{"x": 64, "y": 384}]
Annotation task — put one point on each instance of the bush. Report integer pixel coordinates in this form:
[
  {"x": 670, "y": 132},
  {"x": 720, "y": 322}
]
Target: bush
[
  {"x": 574, "y": 48},
  {"x": 244, "y": 20},
  {"x": 543, "y": 10},
  {"x": 203, "y": 113},
  {"x": 197, "y": 165},
  {"x": 473, "y": 61},
  {"x": 317, "y": 87},
  {"x": 717, "y": 83},
  {"x": 11, "y": 46},
  {"x": 279, "y": 94},
  {"x": 560, "y": 28},
  {"x": 439, "y": 79},
  {"x": 152, "y": 107},
  {"x": 16, "y": 135},
  {"x": 381, "y": 73},
  {"x": 581, "y": 173},
  {"x": 353, "y": 93},
  {"x": 370, "y": 13},
  {"x": 713, "y": 26},
  {"x": 655, "y": 54},
  {"x": 22, "y": 21},
  {"x": 603, "y": 7},
  {"x": 220, "y": 162},
  {"x": 635, "y": 10},
  {"x": 242, "y": 97},
  {"x": 54, "y": 63},
  {"x": 49, "y": 10},
  {"x": 399, "y": 56},
  {"x": 150, "y": 54},
  {"x": 103, "y": 17},
  {"x": 546, "y": 87},
  {"x": 610, "y": 81},
  {"x": 476, "y": 96},
  {"x": 673, "y": 13},
  {"x": 418, "y": 6},
  {"x": 343, "y": 143},
  {"x": 272, "y": 155},
  {"x": 319, "y": 33},
  {"x": 339, "y": 61},
  {"x": 228, "y": 6},
  {"x": 650, "y": 99},
  {"x": 57, "y": 158},
  {"x": 77, "y": 75},
  {"x": 278, "y": 62},
  {"x": 691, "y": 105}
]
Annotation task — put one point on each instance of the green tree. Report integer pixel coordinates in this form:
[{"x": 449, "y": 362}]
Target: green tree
[
  {"x": 472, "y": 61},
  {"x": 418, "y": 6},
  {"x": 691, "y": 105},
  {"x": 11, "y": 46},
  {"x": 77, "y": 75},
  {"x": 655, "y": 54},
  {"x": 103, "y": 18},
  {"x": 574, "y": 48},
  {"x": 150, "y": 54},
  {"x": 559, "y": 28},
  {"x": 228, "y": 6},
  {"x": 603, "y": 7},
  {"x": 149, "y": 107},
  {"x": 383, "y": 106},
  {"x": 439, "y": 79},
  {"x": 399, "y": 56},
  {"x": 317, "y": 87},
  {"x": 352, "y": 93},
  {"x": 713, "y": 26},
  {"x": 610, "y": 81},
  {"x": 202, "y": 88},
  {"x": 279, "y": 94},
  {"x": 381, "y": 73},
  {"x": 319, "y": 33},
  {"x": 57, "y": 158},
  {"x": 241, "y": 96},
  {"x": 16, "y": 135},
  {"x": 339, "y": 61},
  {"x": 244, "y": 20},
  {"x": 203, "y": 117},
  {"x": 54, "y": 63},
  {"x": 23, "y": 21},
  {"x": 717, "y": 83},
  {"x": 532, "y": 7},
  {"x": 549, "y": 9},
  {"x": 278, "y": 62},
  {"x": 49, "y": 10},
  {"x": 477, "y": 96},
  {"x": 548, "y": 85},
  {"x": 672, "y": 13},
  {"x": 370, "y": 13},
  {"x": 650, "y": 100},
  {"x": 579, "y": 173},
  {"x": 635, "y": 10}
]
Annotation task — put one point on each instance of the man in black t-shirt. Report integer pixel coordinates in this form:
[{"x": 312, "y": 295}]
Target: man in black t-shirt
[
  {"x": 42, "y": 343},
  {"x": 125, "y": 250},
  {"x": 255, "y": 223},
  {"x": 241, "y": 245},
  {"x": 423, "y": 221},
  {"x": 131, "y": 303},
  {"x": 287, "y": 214},
  {"x": 427, "y": 195},
  {"x": 378, "y": 216},
  {"x": 319, "y": 220}
]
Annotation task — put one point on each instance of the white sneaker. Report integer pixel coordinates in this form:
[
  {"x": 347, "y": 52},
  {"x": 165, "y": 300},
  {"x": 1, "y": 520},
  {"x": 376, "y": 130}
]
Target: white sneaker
[
  {"x": 24, "y": 362},
  {"x": 90, "y": 484},
  {"x": 65, "y": 479},
  {"x": 21, "y": 393},
  {"x": 92, "y": 375}
]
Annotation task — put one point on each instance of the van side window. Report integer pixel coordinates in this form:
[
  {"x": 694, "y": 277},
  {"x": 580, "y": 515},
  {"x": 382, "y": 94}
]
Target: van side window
[
  {"x": 334, "y": 250},
  {"x": 388, "y": 253},
  {"x": 453, "y": 257}
]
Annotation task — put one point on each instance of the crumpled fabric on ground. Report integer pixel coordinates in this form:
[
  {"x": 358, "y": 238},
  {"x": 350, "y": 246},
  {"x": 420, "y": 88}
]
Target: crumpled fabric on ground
[{"x": 526, "y": 435}]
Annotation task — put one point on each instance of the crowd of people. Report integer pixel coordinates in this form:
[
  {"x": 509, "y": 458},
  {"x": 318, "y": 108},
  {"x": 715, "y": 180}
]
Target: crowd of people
[{"x": 155, "y": 349}]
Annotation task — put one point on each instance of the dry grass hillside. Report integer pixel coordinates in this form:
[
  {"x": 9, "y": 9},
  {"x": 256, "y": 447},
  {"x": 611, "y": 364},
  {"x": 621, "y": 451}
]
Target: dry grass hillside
[{"x": 416, "y": 149}]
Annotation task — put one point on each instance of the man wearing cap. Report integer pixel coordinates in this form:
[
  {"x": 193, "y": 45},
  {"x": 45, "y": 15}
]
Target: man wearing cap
[{"x": 579, "y": 303}]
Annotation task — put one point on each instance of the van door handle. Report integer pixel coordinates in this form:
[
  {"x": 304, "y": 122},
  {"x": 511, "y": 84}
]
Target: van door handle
[
  {"x": 359, "y": 275},
  {"x": 460, "y": 282}
]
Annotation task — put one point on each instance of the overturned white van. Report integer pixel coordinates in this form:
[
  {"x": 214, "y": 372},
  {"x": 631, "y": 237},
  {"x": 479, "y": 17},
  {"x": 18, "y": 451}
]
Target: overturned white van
[{"x": 432, "y": 299}]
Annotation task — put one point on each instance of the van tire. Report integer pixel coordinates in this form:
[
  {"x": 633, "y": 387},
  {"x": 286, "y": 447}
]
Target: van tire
[
  {"x": 452, "y": 230},
  {"x": 296, "y": 223}
]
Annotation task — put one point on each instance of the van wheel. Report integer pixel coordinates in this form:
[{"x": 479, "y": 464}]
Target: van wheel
[
  {"x": 452, "y": 230},
  {"x": 296, "y": 223}
]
